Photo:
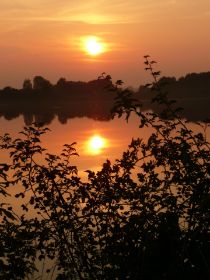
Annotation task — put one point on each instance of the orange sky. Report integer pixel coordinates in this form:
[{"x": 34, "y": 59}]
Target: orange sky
[{"x": 43, "y": 37}]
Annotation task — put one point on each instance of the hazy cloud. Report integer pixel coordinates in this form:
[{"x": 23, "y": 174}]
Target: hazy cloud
[{"x": 93, "y": 11}]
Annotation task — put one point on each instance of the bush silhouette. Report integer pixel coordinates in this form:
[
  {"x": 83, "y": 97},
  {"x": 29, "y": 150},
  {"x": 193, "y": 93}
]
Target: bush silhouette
[{"x": 146, "y": 216}]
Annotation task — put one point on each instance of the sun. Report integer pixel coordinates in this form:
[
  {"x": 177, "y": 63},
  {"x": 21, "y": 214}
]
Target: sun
[
  {"x": 93, "y": 45},
  {"x": 95, "y": 144}
]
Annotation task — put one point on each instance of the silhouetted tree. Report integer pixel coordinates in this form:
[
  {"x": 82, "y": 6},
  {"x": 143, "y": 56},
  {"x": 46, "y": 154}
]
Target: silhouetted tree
[
  {"x": 61, "y": 82},
  {"x": 9, "y": 90},
  {"x": 41, "y": 84},
  {"x": 27, "y": 85},
  {"x": 147, "y": 216}
]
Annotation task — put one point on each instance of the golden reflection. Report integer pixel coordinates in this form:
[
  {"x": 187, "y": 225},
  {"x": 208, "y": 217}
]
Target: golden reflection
[{"x": 96, "y": 144}]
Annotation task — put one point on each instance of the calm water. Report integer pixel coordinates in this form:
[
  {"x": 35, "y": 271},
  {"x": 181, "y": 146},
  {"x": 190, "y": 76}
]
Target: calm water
[{"x": 115, "y": 135}]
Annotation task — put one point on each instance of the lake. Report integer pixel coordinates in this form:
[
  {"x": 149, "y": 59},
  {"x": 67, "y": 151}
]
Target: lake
[
  {"x": 111, "y": 138},
  {"x": 116, "y": 136}
]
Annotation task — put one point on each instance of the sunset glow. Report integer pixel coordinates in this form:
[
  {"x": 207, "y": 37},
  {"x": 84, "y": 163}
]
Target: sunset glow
[
  {"x": 96, "y": 144},
  {"x": 93, "y": 46},
  {"x": 79, "y": 40}
]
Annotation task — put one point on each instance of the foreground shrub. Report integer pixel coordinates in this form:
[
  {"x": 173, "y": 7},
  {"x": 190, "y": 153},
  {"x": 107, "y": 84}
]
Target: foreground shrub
[{"x": 146, "y": 216}]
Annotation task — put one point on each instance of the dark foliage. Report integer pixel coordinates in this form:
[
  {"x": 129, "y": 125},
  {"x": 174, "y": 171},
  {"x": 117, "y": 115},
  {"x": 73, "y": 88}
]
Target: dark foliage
[{"x": 147, "y": 216}]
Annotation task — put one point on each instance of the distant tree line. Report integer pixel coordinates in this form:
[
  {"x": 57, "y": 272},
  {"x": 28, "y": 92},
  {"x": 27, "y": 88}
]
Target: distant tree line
[
  {"x": 188, "y": 86},
  {"x": 40, "y": 100},
  {"x": 192, "y": 86}
]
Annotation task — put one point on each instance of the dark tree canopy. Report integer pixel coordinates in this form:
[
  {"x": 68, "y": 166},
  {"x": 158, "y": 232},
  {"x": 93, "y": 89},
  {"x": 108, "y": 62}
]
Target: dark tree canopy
[
  {"x": 41, "y": 84},
  {"x": 27, "y": 85}
]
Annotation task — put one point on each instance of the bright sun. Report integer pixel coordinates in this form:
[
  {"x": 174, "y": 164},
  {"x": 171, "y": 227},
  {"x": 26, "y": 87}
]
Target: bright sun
[
  {"x": 95, "y": 144},
  {"x": 93, "y": 46}
]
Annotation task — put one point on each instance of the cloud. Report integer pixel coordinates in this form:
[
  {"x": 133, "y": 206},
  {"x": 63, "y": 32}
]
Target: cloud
[
  {"x": 92, "y": 12},
  {"x": 97, "y": 11}
]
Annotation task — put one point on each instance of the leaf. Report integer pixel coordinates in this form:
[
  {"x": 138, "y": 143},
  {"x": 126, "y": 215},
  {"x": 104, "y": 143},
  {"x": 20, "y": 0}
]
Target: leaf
[{"x": 8, "y": 214}]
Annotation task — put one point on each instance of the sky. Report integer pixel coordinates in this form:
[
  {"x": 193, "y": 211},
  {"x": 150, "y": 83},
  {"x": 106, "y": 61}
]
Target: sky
[{"x": 46, "y": 37}]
